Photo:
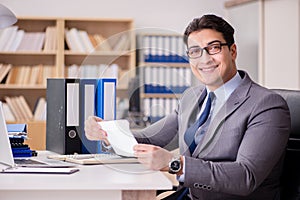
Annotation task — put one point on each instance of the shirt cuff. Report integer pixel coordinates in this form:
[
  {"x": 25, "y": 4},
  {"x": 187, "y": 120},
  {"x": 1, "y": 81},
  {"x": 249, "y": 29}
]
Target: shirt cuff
[{"x": 181, "y": 177}]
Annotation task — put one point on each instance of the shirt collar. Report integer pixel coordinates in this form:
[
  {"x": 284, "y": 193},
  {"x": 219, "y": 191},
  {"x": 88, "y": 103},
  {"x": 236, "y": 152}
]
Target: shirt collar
[{"x": 226, "y": 89}]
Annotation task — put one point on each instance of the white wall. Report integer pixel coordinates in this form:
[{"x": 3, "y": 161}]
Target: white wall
[
  {"x": 245, "y": 20},
  {"x": 163, "y": 14},
  {"x": 282, "y": 44}
]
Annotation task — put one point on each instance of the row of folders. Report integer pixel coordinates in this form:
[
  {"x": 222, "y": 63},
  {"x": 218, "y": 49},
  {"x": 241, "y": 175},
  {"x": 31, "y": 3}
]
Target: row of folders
[
  {"x": 16, "y": 108},
  {"x": 157, "y": 108},
  {"x": 13, "y": 39},
  {"x": 81, "y": 41},
  {"x": 167, "y": 80},
  {"x": 162, "y": 48},
  {"x": 38, "y": 74}
]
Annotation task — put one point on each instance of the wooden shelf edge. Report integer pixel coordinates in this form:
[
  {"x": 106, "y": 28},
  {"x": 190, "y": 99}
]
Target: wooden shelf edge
[
  {"x": 30, "y": 87},
  {"x": 233, "y": 3},
  {"x": 158, "y": 95},
  {"x": 30, "y": 53},
  {"x": 98, "y": 53},
  {"x": 162, "y": 64}
]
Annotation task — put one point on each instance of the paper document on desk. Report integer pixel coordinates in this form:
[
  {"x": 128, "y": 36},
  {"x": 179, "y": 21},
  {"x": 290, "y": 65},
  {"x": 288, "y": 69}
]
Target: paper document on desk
[{"x": 119, "y": 136}]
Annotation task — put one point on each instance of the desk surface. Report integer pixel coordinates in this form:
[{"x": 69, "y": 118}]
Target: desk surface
[
  {"x": 91, "y": 177},
  {"x": 111, "y": 178}
]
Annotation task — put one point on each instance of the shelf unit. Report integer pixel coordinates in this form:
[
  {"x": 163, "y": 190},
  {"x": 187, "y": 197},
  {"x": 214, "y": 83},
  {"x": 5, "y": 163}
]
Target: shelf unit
[
  {"x": 164, "y": 73},
  {"x": 62, "y": 57}
]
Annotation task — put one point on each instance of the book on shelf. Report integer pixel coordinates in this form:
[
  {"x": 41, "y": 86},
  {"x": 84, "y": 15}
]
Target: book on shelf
[
  {"x": 166, "y": 80},
  {"x": 87, "y": 44},
  {"x": 74, "y": 41},
  {"x": 12, "y": 33},
  {"x": 25, "y": 107},
  {"x": 17, "y": 40},
  {"x": 123, "y": 43},
  {"x": 18, "y": 108},
  {"x": 162, "y": 48},
  {"x": 93, "y": 71},
  {"x": 156, "y": 108},
  {"x": 8, "y": 114},
  {"x": 4, "y": 70},
  {"x": 32, "y": 41},
  {"x": 13, "y": 39},
  {"x": 6, "y": 35},
  {"x": 102, "y": 43},
  {"x": 34, "y": 74},
  {"x": 93, "y": 40},
  {"x": 81, "y": 41},
  {"x": 50, "y": 39},
  {"x": 40, "y": 110},
  {"x": 29, "y": 75}
]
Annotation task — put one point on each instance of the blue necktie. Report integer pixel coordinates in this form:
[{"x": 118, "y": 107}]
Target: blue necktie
[{"x": 189, "y": 135}]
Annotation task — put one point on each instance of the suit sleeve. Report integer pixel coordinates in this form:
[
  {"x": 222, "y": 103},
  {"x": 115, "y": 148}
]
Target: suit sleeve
[{"x": 160, "y": 133}]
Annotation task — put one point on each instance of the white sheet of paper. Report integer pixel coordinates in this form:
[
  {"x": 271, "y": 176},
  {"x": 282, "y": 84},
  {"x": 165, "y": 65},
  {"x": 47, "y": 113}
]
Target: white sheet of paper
[{"x": 119, "y": 136}]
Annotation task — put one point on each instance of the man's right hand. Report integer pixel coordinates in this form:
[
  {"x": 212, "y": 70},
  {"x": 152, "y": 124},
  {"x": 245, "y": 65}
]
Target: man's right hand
[{"x": 93, "y": 130}]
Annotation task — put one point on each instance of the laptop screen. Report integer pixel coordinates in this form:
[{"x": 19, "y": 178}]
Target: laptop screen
[{"x": 6, "y": 156}]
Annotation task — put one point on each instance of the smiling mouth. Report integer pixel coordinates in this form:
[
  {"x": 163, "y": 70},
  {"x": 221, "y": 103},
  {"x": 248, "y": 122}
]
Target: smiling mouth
[{"x": 208, "y": 69}]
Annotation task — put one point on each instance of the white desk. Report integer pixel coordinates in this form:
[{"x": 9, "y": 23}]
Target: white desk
[{"x": 117, "y": 181}]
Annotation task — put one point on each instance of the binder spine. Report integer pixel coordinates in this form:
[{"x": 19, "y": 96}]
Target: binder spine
[
  {"x": 87, "y": 93},
  {"x": 106, "y": 99},
  {"x": 62, "y": 116}
]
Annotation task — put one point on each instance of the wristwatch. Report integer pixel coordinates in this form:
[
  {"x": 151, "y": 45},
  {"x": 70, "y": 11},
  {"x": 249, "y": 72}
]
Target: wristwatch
[{"x": 175, "y": 165}]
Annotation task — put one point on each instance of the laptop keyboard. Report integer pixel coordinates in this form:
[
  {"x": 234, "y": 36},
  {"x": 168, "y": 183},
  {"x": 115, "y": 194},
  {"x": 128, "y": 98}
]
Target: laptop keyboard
[{"x": 28, "y": 162}]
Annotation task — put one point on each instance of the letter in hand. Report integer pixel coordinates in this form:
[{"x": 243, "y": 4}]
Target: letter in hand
[{"x": 93, "y": 130}]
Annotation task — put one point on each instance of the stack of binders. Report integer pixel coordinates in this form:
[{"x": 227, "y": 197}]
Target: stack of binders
[{"x": 17, "y": 135}]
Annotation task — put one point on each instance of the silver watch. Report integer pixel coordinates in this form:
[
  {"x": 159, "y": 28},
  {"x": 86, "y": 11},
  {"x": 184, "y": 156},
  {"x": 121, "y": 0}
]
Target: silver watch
[{"x": 175, "y": 165}]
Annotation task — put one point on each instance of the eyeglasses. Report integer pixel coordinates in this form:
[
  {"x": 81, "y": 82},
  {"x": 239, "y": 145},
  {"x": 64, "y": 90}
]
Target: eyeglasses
[{"x": 212, "y": 49}]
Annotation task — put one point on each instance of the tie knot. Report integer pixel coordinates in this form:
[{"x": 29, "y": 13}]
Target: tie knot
[{"x": 211, "y": 95}]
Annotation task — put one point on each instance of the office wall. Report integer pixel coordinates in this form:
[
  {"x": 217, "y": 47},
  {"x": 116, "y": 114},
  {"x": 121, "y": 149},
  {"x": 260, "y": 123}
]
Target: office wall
[
  {"x": 162, "y": 14},
  {"x": 282, "y": 44},
  {"x": 245, "y": 20}
]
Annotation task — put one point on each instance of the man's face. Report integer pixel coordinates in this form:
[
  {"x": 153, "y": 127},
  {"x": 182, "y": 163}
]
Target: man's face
[{"x": 212, "y": 70}]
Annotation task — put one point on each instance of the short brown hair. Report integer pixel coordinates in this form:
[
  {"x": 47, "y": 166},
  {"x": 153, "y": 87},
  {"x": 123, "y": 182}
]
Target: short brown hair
[{"x": 211, "y": 22}]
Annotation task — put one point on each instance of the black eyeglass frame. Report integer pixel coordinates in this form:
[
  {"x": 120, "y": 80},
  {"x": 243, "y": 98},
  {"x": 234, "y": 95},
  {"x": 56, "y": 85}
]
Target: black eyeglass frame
[{"x": 206, "y": 48}]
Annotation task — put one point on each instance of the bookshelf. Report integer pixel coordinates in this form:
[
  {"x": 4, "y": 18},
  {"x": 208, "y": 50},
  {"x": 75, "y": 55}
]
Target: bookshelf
[
  {"x": 56, "y": 56},
  {"x": 164, "y": 73}
]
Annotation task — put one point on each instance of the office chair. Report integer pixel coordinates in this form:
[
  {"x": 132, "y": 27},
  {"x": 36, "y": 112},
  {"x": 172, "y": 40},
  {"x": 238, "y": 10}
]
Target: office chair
[{"x": 290, "y": 180}]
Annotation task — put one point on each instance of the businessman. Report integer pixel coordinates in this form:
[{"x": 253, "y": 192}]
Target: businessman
[{"x": 232, "y": 132}]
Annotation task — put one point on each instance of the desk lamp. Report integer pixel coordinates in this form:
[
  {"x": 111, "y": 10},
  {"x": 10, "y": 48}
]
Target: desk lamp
[{"x": 7, "y": 18}]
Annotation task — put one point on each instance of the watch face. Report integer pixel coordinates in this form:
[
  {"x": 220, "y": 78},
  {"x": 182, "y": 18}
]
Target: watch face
[{"x": 175, "y": 165}]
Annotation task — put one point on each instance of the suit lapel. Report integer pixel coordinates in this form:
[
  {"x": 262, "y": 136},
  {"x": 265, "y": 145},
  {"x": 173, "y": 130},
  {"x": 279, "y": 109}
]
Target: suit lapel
[
  {"x": 192, "y": 111},
  {"x": 236, "y": 99},
  {"x": 211, "y": 136}
]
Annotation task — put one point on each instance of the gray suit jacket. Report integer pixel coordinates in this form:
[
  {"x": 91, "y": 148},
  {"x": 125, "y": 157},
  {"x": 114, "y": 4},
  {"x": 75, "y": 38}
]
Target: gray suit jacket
[{"x": 241, "y": 154}]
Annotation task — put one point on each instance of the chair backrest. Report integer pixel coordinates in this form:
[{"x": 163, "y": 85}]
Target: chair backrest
[{"x": 290, "y": 180}]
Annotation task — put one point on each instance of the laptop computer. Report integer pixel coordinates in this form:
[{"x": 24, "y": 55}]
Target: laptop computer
[{"x": 6, "y": 155}]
